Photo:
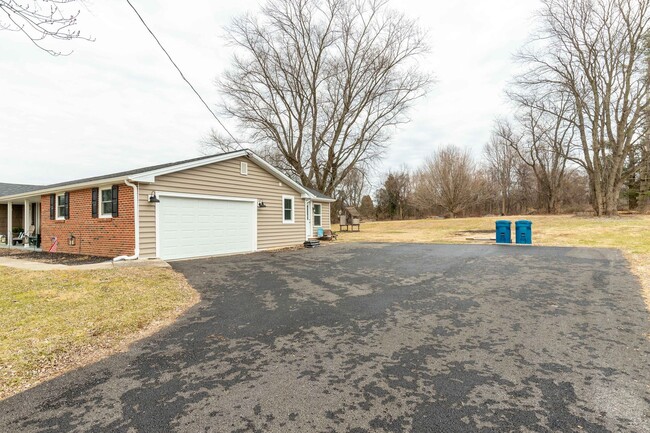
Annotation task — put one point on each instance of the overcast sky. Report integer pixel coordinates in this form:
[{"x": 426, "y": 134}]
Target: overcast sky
[{"x": 117, "y": 103}]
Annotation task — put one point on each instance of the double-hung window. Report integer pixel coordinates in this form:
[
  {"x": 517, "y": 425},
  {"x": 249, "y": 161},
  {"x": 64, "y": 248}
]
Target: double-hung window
[
  {"x": 318, "y": 215},
  {"x": 287, "y": 209},
  {"x": 61, "y": 206},
  {"x": 106, "y": 202}
]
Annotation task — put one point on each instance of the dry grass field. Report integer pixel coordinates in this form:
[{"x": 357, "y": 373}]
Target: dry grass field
[
  {"x": 53, "y": 321},
  {"x": 631, "y": 234}
]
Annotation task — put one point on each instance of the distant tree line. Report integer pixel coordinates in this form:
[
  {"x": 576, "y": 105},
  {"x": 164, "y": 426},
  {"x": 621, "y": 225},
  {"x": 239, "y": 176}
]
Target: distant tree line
[{"x": 451, "y": 183}]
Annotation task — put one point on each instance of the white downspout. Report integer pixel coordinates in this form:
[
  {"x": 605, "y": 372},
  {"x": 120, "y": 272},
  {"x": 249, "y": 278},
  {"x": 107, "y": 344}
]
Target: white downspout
[{"x": 136, "y": 217}]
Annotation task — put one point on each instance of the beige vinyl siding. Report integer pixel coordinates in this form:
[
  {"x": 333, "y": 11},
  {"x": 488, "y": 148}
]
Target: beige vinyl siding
[
  {"x": 325, "y": 220},
  {"x": 224, "y": 179}
]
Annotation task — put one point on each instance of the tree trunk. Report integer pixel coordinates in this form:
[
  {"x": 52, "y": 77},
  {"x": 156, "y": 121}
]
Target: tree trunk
[
  {"x": 552, "y": 203},
  {"x": 644, "y": 188},
  {"x": 611, "y": 201},
  {"x": 644, "y": 179},
  {"x": 597, "y": 192}
]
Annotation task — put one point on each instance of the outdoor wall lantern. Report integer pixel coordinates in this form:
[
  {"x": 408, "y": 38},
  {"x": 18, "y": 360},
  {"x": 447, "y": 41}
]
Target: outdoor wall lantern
[
  {"x": 72, "y": 241},
  {"x": 153, "y": 198},
  {"x": 261, "y": 204}
]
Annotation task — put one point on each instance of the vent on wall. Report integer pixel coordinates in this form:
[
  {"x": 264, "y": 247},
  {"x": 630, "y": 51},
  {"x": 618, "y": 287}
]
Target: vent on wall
[{"x": 244, "y": 168}]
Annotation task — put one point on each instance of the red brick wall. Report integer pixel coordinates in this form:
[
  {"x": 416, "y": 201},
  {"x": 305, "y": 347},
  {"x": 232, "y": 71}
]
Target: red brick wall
[
  {"x": 3, "y": 219},
  {"x": 105, "y": 237}
]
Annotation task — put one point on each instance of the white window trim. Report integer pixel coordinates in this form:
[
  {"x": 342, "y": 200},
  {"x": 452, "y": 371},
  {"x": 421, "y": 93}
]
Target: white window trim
[
  {"x": 100, "y": 211},
  {"x": 293, "y": 209},
  {"x": 58, "y": 216},
  {"x": 319, "y": 214},
  {"x": 243, "y": 168}
]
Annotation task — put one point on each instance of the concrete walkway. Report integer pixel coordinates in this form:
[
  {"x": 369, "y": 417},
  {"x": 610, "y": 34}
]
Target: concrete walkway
[{"x": 30, "y": 265}]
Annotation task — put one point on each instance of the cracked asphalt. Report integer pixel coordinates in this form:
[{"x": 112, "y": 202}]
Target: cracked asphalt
[{"x": 376, "y": 338}]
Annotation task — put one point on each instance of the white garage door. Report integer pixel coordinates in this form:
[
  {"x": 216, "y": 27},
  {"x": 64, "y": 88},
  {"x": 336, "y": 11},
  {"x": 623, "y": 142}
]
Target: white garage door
[{"x": 194, "y": 227}]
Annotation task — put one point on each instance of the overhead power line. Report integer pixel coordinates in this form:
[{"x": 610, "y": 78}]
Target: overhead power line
[{"x": 181, "y": 73}]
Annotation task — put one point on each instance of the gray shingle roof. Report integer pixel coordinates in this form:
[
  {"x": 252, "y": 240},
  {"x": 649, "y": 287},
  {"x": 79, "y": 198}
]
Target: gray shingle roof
[
  {"x": 15, "y": 188},
  {"x": 135, "y": 171},
  {"x": 318, "y": 193}
]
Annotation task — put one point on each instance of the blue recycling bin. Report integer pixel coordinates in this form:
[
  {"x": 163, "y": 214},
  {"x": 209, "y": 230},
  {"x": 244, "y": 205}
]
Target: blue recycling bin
[
  {"x": 524, "y": 232},
  {"x": 503, "y": 232}
]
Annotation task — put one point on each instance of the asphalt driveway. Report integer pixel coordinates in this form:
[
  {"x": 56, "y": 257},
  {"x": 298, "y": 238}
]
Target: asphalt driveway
[{"x": 376, "y": 338}]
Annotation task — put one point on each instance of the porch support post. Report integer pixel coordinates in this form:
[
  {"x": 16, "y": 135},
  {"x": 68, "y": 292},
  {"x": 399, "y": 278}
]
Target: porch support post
[
  {"x": 37, "y": 223},
  {"x": 9, "y": 224},
  {"x": 27, "y": 214}
]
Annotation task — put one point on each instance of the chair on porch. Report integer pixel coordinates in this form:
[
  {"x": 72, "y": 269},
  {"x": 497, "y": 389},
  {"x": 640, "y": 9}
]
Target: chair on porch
[
  {"x": 18, "y": 240},
  {"x": 33, "y": 238}
]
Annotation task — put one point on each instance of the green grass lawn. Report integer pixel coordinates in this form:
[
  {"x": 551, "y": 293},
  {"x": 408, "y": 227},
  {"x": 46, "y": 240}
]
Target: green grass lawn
[
  {"x": 631, "y": 234},
  {"x": 55, "y": 320}
]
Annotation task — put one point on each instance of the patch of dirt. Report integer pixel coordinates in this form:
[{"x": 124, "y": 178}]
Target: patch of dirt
[
  {"x": 52, "y": 258},
  {"x": 476, "y": 231}
]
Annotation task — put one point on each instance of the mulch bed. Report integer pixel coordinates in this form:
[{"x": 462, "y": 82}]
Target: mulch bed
[{"x": 53, "y": 258}]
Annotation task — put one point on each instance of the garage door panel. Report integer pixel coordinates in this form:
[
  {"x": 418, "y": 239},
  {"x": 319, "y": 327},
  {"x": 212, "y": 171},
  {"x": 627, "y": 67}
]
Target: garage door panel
[{"x": 193, "y": 227}]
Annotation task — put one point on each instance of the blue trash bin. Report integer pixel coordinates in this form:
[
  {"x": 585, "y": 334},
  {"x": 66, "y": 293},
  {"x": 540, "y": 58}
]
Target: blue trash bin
[
  {"x": 524, "y": 232},
  {"x": 503, "y": 232}
]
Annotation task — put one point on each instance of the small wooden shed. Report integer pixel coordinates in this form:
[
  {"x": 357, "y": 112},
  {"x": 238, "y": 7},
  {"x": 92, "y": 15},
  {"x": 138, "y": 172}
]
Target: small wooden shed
[{"x": 350, "y": 217}]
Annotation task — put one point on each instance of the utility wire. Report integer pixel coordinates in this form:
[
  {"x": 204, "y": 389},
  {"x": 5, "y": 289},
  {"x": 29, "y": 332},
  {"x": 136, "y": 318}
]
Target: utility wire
[{"x": 182, "y": 75}]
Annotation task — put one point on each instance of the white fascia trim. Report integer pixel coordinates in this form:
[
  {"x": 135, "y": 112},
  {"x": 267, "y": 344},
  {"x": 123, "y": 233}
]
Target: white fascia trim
[
  {"x": 150, "y": 176},
  {"x": 70, "y": 187},
  {"x": 324, "y": 200}
]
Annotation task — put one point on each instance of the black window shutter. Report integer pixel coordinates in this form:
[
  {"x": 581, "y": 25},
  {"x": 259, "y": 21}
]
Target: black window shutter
[
  {"x": 52, "y": 206},
  {"x": 95, "y": 202},
  {"x": 67, "y": 205},
  {"x": 114, "y": 192}
]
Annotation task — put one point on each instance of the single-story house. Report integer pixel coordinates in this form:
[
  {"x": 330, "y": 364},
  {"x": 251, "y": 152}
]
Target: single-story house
[{"x": 221, "y": 204}]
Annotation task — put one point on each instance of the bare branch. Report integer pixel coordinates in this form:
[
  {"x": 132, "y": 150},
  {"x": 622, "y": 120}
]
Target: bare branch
[{"x": 42, "y": 20}]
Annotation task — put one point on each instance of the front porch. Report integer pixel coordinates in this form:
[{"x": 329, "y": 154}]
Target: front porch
[{"x": 20, "y": 224}]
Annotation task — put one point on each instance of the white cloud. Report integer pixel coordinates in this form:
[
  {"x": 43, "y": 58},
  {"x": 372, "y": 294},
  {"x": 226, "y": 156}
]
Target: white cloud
[{"x": 117, "y": 103}]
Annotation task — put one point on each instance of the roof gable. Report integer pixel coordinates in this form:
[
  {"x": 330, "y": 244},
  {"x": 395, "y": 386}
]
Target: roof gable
[{"x": 148, "y": 175}]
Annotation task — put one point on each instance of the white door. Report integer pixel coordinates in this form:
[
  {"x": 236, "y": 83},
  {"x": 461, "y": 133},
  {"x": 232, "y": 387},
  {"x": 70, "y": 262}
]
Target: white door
[
  {"x": 309, "y": 233},
  {"x": 196, "y": 227}
]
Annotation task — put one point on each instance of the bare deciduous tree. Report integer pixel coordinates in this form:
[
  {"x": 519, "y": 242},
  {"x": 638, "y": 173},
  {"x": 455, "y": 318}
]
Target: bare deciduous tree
[
  {"x": 500, "y": 159},
  {"x": 41, "y": 20},
  {"x": 352, "y": 188},
  {"x": 595, "y": 52},
  {"x": 447, "y": 179},
  {"x": 544, "y": 141},
  {"x": 324, "y": 83}
]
